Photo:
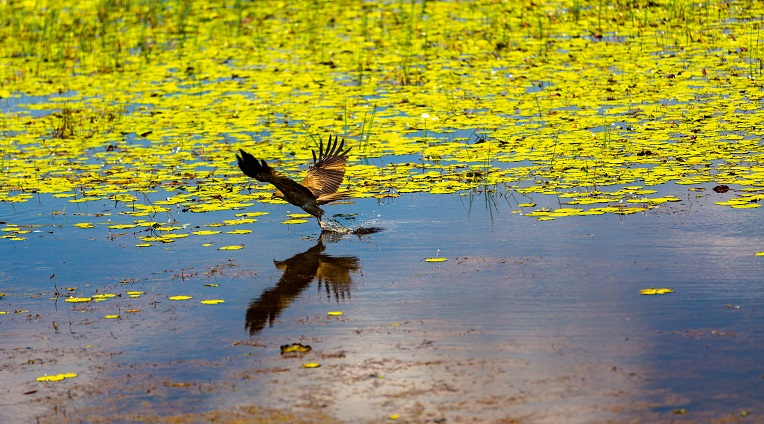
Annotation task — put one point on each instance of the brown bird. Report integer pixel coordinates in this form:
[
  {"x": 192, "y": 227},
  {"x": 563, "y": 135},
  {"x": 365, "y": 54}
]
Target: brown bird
[{"x": 320, "y": 184}]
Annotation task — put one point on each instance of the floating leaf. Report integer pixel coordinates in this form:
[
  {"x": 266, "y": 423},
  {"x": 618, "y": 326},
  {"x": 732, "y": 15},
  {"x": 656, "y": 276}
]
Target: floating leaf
[
  {"x": 334, "y": 313},
  {"x": 111, "y": 316},
  {"x": 656, "y": 291},
  {"x": 179, "y": 297},
  {"x": 206, "y": 232},
  {"x": 77, "y": 299},
  {"x": 235, "y": 247},
  {"x": 84, "y": 225},
  {"x": 212, "y": 301},
  {"x": 122, "y": 226},
  {"x": 311, "y": 365},
  {"x": 57, "y": 377},
  {"x": 239, "y": 232},
  {"x": 299, "y": 215},
  {"x": 435, "y": 259},
  {"x": 252, "y": 214},
  {"x": 295, "y": 348},
  {"x": 294, "y": 221}
]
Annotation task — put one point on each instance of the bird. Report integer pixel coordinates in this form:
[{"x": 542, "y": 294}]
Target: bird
[{"x": 320, "y": 184}]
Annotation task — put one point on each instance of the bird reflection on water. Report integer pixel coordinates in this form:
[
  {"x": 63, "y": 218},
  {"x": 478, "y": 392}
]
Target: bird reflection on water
[{"x": 332, "y": 272}]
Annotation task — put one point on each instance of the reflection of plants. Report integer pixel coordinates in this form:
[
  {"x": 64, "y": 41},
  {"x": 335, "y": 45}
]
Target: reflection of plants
[{"x": 490, "y": 197}]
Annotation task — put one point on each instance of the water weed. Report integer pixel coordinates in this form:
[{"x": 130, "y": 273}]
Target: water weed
[{"x": 158, "y": 96}]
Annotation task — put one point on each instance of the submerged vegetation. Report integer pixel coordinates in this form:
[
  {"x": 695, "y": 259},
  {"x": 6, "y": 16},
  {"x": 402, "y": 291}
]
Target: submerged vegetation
[{"x": 593, "y": 102}]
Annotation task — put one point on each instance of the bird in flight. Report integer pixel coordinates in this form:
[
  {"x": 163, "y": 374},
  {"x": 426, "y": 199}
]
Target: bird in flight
[{"x": 320, "y": 184}]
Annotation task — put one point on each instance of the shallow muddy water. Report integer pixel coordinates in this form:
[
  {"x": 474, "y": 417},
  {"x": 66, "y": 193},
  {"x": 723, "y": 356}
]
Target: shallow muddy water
[{"x": 527, "y": 321}]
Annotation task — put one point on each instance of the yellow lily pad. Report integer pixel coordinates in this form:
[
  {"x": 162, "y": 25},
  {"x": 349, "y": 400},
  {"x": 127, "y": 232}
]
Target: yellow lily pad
[
  {"x": 234, "y": 247},
  {"x": 78, "y": 299},
  {"x": 294, "y": 221},
  {"x": 56, "y": 377},
  {"x": 179, "y": 297},
  {"x": 650, "y": 291}
]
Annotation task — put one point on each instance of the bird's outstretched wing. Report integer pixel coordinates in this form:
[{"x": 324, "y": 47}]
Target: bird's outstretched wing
[
  {"x": 328, "y": 170},
  {"x": 260, "y": 171}
]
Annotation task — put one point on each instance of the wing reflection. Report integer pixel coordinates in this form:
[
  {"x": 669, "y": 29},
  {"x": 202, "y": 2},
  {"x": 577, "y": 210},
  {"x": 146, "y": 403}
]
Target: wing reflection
[{"x": 332, "y": 272}]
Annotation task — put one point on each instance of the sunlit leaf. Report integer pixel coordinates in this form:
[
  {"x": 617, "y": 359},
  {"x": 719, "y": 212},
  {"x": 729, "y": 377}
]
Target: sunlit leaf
[
  {"x": 234, "y": 247},
  {"x": 56, "y": 377},
  {"x": 77, "y": 299},
  {"x": 656, "y": 291},
  {"x": 239, "y": 232},
  {"x": 206, "y": 232},
  {"x": 179, "y": 297}
]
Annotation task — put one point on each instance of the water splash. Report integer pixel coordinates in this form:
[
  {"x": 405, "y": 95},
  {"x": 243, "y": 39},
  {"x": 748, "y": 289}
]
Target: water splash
[{"x": 334, "y": 226}]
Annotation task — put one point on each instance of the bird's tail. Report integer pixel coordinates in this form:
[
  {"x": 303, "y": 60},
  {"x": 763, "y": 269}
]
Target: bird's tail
[{"x": 251, "y": 167}]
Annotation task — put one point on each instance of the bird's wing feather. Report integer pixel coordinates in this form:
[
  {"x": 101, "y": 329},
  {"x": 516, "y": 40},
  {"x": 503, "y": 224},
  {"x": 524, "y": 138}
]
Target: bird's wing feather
[
  {"x": 260, "y": 171},
  {"x": 328, "y": 170}
]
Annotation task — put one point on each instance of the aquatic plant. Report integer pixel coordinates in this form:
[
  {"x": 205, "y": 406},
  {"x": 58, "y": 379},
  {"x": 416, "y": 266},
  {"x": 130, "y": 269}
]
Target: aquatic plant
[{"x": 119, "y": 98}]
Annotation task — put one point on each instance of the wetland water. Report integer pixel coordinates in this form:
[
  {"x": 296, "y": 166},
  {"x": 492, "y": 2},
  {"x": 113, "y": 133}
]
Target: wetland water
[
  {"x": 119, "y": 189},
  {"x": 527, "y": 321}
]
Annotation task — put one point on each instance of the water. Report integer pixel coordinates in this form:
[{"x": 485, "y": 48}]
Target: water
[{"x": 528, "y": 321}]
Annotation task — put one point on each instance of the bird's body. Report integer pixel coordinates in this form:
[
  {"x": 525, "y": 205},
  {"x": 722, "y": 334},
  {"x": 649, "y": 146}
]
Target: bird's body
[{"x": 320, "y": 184}]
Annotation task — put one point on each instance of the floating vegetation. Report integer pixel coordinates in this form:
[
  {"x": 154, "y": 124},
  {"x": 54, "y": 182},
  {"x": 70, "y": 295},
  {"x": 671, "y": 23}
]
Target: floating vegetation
[
  {"x": 56, "y": 377},
  {"x": 651, "y": 290},
  {"x": 295, "y": 348},
  {"x": 586, "y": 102},
  {"x": 78, "y": 299},
  {"x": 234, "y": 247},
  {"x": 179, "y": 297}
]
